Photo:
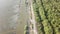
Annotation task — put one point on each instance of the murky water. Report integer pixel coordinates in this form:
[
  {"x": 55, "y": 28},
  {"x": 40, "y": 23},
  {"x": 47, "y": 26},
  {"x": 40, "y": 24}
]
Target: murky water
[
  {"x": 14, "y": 15},
  {"x": 9, "y": 13}
]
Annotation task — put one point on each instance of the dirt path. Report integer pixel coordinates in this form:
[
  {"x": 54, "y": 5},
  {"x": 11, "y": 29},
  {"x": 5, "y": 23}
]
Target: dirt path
[{"x": 33, "y": 20}]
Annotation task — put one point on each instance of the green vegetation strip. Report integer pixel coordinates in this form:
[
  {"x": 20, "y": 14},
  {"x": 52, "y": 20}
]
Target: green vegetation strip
[
  {"x": 47, "y": 14},
  {"x": 25, "y": 28}
]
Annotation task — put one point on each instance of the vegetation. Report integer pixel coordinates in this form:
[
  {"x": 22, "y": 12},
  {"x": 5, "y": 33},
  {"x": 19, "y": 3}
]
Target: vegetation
[
  {"x": 47, "y": 14},
  {"x": 26, "y": 29}
]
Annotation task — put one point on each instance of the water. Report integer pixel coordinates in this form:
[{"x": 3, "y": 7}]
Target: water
[
  {"x": 9, "y": 14},
  {"x": 14, "y": 15}
]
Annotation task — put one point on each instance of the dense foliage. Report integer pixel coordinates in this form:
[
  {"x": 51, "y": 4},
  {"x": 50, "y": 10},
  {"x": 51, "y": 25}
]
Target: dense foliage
[{"x": 47, "y": 14}]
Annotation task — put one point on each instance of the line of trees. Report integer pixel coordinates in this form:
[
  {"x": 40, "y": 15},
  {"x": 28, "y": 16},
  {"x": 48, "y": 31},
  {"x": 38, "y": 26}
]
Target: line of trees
[{"x": 47, "y": 14}]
